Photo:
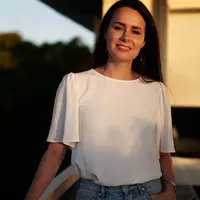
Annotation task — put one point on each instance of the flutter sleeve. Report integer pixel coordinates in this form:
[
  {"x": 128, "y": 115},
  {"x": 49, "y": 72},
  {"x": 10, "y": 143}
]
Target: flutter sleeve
[
  {"x": 164, "y": 121},
  {"x": 65, "y": 118}
]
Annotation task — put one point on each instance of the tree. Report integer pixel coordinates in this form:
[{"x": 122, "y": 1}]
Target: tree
[{"x": 7, "y": 42}]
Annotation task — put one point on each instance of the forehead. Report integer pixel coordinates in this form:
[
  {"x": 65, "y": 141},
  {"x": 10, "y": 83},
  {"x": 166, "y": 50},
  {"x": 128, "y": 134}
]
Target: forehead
[{"x": 128, "y": 16}]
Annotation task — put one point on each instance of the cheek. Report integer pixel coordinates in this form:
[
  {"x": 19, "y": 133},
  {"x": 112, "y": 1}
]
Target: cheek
[
  {"x": 139, "y": 43},
  {"x": 112, "y": 39}
]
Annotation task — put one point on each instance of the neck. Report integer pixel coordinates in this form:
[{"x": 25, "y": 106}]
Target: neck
[{"x": 121, "y": 71}]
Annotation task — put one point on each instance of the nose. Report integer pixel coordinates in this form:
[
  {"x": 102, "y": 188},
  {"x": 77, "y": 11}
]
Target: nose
[{"x": 125, "y": 36}]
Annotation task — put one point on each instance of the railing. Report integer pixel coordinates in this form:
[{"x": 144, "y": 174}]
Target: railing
[
  {"x": 187, "y": 172},
  {"x": 60, "y": 184}
]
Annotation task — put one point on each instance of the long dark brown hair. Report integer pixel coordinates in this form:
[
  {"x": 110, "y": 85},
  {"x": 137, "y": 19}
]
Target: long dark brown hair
[{"x": 148, "y": 62}]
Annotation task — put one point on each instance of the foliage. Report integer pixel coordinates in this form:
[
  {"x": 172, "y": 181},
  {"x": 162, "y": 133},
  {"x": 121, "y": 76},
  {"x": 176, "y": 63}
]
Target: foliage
[
  {"x": 7, "y": 42},
  {"x": 69, "y": 56},
  {"x": 29, "y": 77}
]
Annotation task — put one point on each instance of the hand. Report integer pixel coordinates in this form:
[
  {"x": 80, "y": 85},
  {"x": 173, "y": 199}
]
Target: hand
[{"x": 164, "y": 196}]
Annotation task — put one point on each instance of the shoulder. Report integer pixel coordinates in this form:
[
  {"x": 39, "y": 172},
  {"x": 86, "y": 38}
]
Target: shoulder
[
  {"x": 163, "y": 92},
  {"x": 74, "y": 77},
  {"x": 157, "y": 85},
  {"x": 157, "y": 88},
  {"x": 76, "y": 82},
  {"x": 83, "y": 75},
  {"x": 163, "y": 88},
  {"x": 153, "y": 85}
]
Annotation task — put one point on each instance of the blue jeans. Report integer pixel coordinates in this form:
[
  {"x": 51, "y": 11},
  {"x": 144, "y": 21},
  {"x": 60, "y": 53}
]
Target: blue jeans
[{"x": 89, "y": 190}]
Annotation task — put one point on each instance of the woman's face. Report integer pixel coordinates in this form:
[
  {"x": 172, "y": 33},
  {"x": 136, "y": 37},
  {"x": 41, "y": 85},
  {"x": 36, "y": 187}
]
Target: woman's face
[{"x": 125, "y": 35}]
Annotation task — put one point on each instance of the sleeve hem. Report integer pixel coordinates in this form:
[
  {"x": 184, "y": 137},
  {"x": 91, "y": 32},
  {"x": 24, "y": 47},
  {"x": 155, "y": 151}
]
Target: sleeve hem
[
  {"x": 168, "y": 151},
  {"x": 71, "y": 144}
]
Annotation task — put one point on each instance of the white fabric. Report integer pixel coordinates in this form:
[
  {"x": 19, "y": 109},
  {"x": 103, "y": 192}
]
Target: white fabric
[
  {"x": 64, "y": 127},
  {"x": 116, "y": 128}
]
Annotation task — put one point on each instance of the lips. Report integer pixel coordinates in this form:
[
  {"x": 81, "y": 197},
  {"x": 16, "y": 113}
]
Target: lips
[{"x": 123, "y": 47}]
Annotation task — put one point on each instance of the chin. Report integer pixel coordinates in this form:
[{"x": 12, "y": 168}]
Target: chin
[{"x": 123, "y": 59}]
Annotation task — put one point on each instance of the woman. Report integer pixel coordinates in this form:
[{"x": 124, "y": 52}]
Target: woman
[{"x": 115, "y": 117}]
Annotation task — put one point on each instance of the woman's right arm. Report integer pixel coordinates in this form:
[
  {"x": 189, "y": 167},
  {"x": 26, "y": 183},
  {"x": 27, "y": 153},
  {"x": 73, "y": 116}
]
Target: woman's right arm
[{"x": 47, "y": 169}]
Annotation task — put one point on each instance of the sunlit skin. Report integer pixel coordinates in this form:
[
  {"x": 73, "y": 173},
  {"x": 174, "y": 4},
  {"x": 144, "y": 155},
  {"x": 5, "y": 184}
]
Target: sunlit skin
[{"x": 125, "y": 37}]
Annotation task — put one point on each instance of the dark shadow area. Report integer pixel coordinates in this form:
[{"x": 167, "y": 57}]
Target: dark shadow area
[
  {"x": 186, "y": 121},
  {"x": 29, "y": 77}
]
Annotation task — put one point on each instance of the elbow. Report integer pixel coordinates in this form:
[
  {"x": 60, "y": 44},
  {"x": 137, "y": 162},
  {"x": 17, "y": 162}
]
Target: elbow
[
  {"x": 165, "y": 155},
  {"x": 56, "y": 151}
]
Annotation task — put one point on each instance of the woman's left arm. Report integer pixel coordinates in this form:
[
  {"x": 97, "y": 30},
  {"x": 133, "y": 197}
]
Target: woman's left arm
[
  {"x": 164, "y": 130},
  {"x": 167, "y": 169}
]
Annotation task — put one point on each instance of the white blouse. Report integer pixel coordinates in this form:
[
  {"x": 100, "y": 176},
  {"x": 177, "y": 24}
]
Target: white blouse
[{"x": 116, "y": 128}]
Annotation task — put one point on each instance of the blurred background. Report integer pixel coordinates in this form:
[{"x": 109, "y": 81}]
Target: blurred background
[{"x": 41, "y": 41}]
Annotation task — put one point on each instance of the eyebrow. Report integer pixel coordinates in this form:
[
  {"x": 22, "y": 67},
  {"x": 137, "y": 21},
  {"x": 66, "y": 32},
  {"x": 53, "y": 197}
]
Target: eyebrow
[{"x": 135, "y": 27}]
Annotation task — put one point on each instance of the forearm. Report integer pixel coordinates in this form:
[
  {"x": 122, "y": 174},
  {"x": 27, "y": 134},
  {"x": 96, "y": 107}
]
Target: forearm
[
  {"x": 167, "y": 169},
  {"x": 46, "y": 171}
]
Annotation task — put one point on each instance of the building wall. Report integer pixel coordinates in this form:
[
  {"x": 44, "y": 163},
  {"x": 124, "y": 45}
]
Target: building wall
[
  {"x": 106, "y": 5},
  {"x": 183, "y": 52}
]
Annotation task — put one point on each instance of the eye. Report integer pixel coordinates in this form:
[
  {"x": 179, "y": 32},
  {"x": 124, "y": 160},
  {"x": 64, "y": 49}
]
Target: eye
[
  {"x": 136, "y": 32},
  {"x": 118, "y": 28}
]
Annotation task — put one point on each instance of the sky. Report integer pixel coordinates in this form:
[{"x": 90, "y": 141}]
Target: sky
[{"x": 39, "y": 23}]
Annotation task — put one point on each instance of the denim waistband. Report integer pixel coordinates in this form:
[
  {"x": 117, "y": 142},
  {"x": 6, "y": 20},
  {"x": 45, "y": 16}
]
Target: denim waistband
[{"x": 149, "y": 187}]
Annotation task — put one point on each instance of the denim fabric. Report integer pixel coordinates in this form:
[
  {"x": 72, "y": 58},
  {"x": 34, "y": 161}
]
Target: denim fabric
[{"x": 89, "y": 190}]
